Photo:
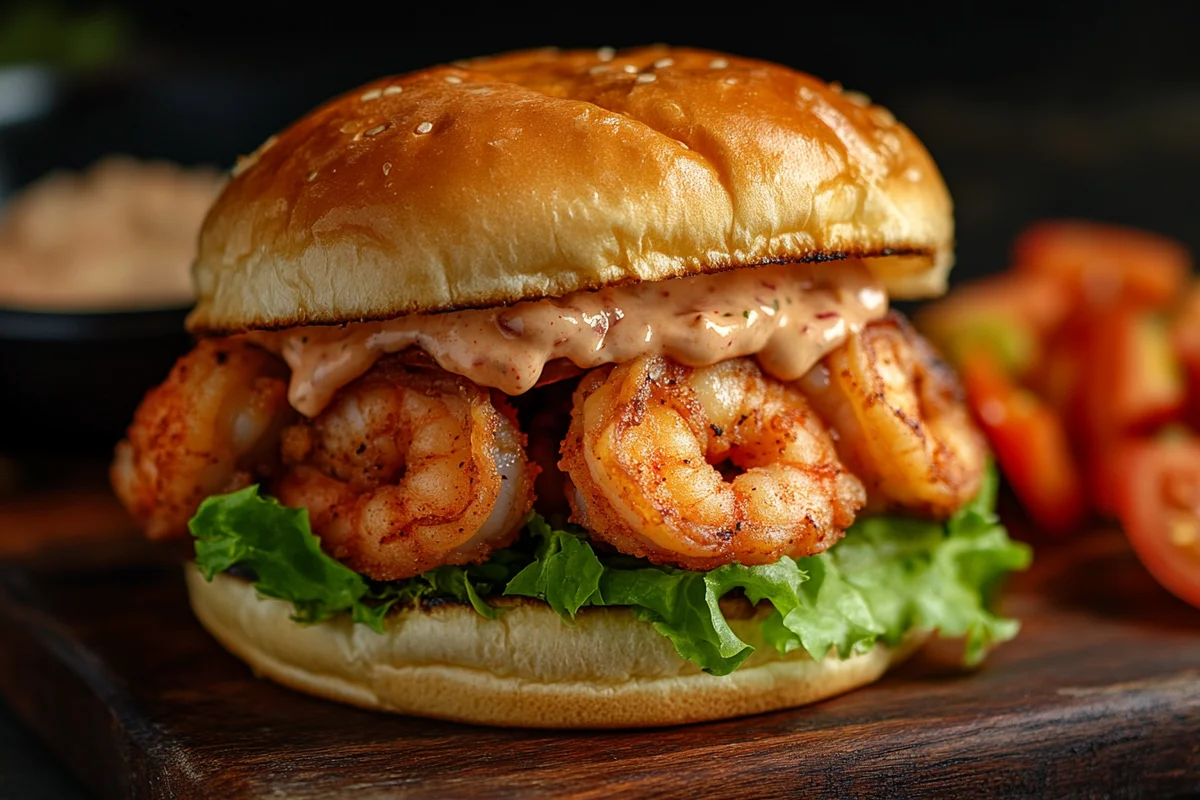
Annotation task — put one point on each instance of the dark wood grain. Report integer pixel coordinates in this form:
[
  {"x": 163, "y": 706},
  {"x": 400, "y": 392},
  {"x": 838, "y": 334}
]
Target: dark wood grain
[{"x": 1099, "y": 696}]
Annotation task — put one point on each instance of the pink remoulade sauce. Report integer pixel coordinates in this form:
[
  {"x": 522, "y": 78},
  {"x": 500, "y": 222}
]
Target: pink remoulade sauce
[{"x": 789, "y": 315}]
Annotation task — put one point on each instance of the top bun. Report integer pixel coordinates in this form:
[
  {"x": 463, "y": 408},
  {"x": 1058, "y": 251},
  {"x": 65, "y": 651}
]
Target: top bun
[{"x": 544, "y": 172}]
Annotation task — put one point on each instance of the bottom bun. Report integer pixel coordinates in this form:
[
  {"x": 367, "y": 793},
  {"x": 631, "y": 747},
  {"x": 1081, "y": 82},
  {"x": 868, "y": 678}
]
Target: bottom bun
[{"x": 525, "y": 669}]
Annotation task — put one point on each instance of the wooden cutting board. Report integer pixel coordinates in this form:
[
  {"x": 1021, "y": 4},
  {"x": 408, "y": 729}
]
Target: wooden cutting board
[{"x": 1100, "y": 695}]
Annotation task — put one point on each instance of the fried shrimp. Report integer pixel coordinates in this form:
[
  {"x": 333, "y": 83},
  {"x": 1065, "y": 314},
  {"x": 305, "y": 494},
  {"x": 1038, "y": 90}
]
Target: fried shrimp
[
  {"x": 703, "y": 467},
  {"x": 213, "y": 426},
  {"x": 901, "y": 423},
  {"x": 407, "y": 470}
]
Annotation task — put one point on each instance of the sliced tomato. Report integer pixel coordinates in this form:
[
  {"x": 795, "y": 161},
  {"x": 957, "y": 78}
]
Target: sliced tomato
[
  {"x": 1128, "y": 383},
  {"x": 1104, "y": 474},
  {"x": 1185, "y": 338},
  {"x": 1131, "y": 379},
  {"x": 1058, "y": 376},
  {"x": 1008, "y": 314},
  {"x": 1185, "y": 329},
  {"x": 1030, "y": 444},
  {"x": 1108, "y": 264},
  {"x": 1155, "y": 389},
  {"x": 1158, "y": 503}
]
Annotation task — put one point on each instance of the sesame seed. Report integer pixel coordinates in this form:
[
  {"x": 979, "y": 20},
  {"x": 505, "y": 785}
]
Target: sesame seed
[
  {"x": 718, "y": 63},
  {"x": 731, "y": 81},
  {"x": 596, "y": 70},
  {"x": 646, "y": 77},
  {"x": 311, "y": 176},
  {"x": 882, "y": 116},
  {"x": 453, "y": 79},
  {"x": 663, "y": 63},
  {"x": 376, "y": 130},
  {"x": 858, "y": 98},
  {"x": 605, "y": 53},
  {"x": 684, "y": 146},
  {"x": 912, "y": 174},
  {"x": 387, "y": 167},
  {"x": 391, "y": 90},
  {"x": 372, "y": 94},
  {"x": 425, "y": 127},
  {"x": 630, "y": 68},
  {"x": 242, "y": 164}
]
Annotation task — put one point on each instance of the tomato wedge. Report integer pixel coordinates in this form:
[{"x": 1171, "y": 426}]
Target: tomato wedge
[
  {"x": 1009, "y": 314},
  {"x": 1158, "y": 503},
  {"x": 1059, "y": 376},
  {"x": 1030, "y": 443},
  {"x": 1185, "y": 338},
  {"x": 1132, "y": 380},
  {"x": 1108, "y": 264}
]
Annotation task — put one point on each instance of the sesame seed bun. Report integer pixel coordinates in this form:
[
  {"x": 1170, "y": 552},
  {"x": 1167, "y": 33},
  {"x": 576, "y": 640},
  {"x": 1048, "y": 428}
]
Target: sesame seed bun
[
  {"x": 540, "y": 173},
  {"x": 525, "y": 669}
]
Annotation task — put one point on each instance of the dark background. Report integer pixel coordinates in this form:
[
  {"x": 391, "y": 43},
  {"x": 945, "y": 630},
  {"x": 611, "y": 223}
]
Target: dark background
[{"x": 1031, "y": 109}]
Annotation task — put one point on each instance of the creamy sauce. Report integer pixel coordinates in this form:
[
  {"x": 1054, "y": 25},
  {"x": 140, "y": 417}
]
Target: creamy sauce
[
  {"x": 789, "y": 315},
  {"x": 120, "y": 235}
]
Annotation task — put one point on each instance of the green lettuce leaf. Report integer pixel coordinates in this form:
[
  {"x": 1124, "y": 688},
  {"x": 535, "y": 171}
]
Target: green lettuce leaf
[
  {"x": 888, "y": 575},
  {"x": 943, "y": 577},
  {"x": 565, "y": 571},
  {"x": 258, "y": 533},
  {"x": 276, "y": 544}
]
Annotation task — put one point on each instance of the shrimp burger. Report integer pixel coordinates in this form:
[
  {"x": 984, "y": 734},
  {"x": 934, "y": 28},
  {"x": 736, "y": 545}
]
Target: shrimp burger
[{"x": 560, "y": 389}]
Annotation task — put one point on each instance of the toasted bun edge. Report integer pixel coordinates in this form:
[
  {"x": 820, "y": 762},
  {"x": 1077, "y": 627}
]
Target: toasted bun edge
[{"x": 525, "y": 669}]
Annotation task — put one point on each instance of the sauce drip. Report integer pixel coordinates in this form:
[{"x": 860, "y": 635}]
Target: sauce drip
[{"x": 789, "y": 315}]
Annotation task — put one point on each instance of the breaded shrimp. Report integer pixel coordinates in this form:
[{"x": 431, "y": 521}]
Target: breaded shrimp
[
  {"x": 901, "y": 424},
  {"x": 213, "y": 426},
  {"x": 704, "y": 467},
  {"x": 407, "y": 470}
]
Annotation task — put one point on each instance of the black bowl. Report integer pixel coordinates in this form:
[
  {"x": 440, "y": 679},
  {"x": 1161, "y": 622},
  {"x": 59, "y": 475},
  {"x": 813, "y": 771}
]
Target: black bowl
[{"x": 69, "y": 383}]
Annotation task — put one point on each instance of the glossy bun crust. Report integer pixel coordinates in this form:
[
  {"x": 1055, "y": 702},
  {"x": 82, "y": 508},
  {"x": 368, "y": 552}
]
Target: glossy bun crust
[
  {"x": 524, "y": 669},
  {"x": 544, "y": 172}
]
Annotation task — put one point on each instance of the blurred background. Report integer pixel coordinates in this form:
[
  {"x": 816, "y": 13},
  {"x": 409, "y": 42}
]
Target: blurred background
[{"x": 1031, "y": 110}]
